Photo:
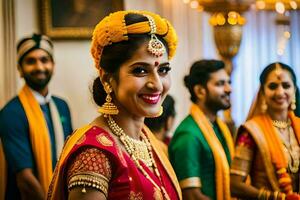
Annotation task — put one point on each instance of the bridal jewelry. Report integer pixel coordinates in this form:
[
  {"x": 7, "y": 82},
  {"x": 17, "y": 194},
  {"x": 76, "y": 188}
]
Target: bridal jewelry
[
  {"x": 155, "y": 46},
  {"x": 281, "y": 124},
  {"x": 293, "y": 150},
  {"x": 138, "y": 151},
  {"x": 291, "y": 145},
  {"x": 134, "y": 147}
]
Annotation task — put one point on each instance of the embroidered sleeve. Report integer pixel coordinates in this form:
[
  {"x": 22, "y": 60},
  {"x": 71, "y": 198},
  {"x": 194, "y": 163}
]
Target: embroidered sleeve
[
  {"x": 244, "y": 153},
  {"x": 89, "y": 168}
]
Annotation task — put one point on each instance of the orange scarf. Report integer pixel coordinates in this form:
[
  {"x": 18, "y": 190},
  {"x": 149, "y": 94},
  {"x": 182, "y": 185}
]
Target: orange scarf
[
  {"x": 56, "y": 184},
  {"x": 221, "y": 163},
  {"x": 39, "y": 136},
  {"x": 275, "y": 146},
  {"x": 272, "y": 138}
]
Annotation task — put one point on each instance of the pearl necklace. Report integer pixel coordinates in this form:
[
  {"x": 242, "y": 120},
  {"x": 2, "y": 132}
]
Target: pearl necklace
[
  {"x": 129, "y": 144},
  {"x": 134, "y": 147}
]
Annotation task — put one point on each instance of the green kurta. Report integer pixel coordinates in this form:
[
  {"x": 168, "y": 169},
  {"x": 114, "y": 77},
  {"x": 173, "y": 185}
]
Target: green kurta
[{"x": 191, "y": 156}]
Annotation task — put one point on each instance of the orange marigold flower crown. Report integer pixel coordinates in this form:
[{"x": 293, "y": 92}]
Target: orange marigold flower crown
[{"x": 113, "y": 29}]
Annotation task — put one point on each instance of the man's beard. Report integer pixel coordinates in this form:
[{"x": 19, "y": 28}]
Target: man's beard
[
  {"x": 35, "y": 83},
  {"x": 216, "y": 104}
]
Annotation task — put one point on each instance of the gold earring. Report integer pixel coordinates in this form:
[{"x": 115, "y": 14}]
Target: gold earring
[
  {"x": 264, "y": 106},
  {"x": 293, "y": 103},
  {"x": 161, "y": 110},
  {"x": 108, "y": 108}
]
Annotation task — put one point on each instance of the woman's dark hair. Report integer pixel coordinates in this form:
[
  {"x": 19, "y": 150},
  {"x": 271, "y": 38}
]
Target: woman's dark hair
[
  {"x": 271, "y": 67},
  {"x": 117, "y": 53},
  {"x": 200, "y": 74}
]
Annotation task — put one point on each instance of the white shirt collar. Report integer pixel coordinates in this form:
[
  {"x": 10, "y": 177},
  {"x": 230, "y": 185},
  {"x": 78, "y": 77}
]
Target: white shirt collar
[{"x": 40, "y": 98}]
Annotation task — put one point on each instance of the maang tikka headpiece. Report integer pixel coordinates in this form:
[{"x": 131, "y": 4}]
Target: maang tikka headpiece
[{"x": 155, "y": 46}]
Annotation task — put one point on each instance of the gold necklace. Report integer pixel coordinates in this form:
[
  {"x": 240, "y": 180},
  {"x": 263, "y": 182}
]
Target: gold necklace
[
  {"x": 294, "y": 161},
  {"x": 129, "y": 147},
  {"x": 281, "y": 124},
  {"x": 134, "y": 147}
]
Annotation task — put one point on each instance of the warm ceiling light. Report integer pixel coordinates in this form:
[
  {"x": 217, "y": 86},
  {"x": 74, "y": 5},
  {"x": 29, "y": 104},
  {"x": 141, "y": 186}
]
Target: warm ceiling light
[
  {"x": 186, "y": 1},
  {"x": 293, "y": 5},
  {"x": 260, "y": 5},
  {"x": 194, "y": 4},
  {"x": 233, "y": 14},
  {"x": 279, "y": 6},
  {"x": 220, "y": 19},
  {"x": 287, "y": 34}
]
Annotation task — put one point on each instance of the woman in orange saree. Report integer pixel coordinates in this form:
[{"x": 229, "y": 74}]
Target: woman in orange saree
[
  {"x": 116, "y": 157},
  {"x": 267, "y": 144}
]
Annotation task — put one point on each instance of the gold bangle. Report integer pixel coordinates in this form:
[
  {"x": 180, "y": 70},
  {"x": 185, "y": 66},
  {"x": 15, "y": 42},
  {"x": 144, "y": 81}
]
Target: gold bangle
[
  {"x": 268, "y": 194},
  {"x": 281, "y": 196},
  {"x": 261, "y": 194},
  {"x": 275, "y": 197},
  {"x": 89, "y": 179},
  {"x": 265, "y": 195}
]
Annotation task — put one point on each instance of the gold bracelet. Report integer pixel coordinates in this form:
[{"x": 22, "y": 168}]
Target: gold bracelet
[
  {"x": 265, "y": 195},
  {"x": 283, "y": 196},
  {"x": 268, "y": 194},
  {"x": 275, "y": 195},
  {"x": 261, "y": 194},
  {"x": 89, "y": 179}
]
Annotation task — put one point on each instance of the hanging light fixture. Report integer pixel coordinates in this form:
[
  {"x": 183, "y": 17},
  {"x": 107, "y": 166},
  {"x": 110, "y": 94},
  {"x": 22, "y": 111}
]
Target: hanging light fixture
[
  {"x": 226, "y": 17},
  {"x": 227, "y": 21},
  {"x": 278, "y": 5},
  {"x": 283, "y": 9}
]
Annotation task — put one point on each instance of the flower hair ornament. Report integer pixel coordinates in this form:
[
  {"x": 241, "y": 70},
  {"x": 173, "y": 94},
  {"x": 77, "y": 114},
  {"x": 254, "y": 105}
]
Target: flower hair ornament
[{"x": 113, "y": 29}]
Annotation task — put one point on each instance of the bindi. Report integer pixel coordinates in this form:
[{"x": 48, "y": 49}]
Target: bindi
[
  {"x": 279, "y": 77},
  {"x": 156, "y": 63}
]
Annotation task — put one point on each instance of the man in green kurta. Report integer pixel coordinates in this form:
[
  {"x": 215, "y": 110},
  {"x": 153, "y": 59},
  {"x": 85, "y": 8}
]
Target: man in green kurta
[{"x": 202, "y": 146}]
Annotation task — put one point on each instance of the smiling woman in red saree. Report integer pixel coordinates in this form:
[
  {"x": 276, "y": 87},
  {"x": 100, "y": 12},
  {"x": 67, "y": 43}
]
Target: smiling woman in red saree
[
  {"x": 127, "y": 180},
  {"x": 116, "y": 156}
]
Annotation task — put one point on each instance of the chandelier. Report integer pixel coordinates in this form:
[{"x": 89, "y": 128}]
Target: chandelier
[
  {"x": 227, "y": 21},
  {"x": 279, "y": 5},
  {"x": 243, "y": 5}
]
